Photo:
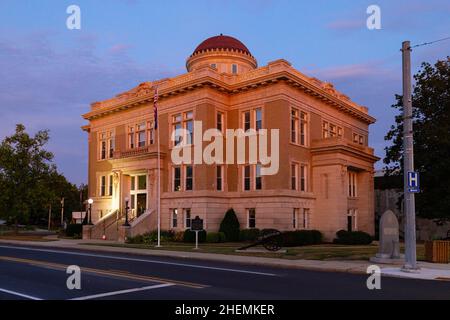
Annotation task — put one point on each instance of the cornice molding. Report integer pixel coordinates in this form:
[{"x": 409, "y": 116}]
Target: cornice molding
[{"x": 274, "y": 72}]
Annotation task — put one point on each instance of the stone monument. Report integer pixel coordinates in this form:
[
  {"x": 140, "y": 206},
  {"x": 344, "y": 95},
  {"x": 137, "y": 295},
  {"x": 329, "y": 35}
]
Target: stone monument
[{"x": 389, "y": 247}]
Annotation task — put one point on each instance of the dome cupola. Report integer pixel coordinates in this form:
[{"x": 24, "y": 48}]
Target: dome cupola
[{"x": 224, "y": 53}]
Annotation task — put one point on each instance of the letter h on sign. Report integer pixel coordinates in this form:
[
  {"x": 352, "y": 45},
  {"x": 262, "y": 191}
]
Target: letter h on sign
[{"x": 413, "y": 182}]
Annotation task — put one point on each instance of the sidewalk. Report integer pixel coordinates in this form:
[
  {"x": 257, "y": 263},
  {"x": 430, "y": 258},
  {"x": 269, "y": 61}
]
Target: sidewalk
[{"x": 429, "y": 271}]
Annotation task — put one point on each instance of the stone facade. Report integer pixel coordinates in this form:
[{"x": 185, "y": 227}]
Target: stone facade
[{"x": 323, "y": 137}]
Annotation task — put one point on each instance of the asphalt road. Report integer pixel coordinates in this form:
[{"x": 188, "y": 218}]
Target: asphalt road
[{"x": 40, "y": 273}]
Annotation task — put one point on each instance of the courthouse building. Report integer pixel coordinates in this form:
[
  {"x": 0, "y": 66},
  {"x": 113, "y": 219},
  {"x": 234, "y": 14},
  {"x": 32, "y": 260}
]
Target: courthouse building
[{"x": 325, "y": 176}]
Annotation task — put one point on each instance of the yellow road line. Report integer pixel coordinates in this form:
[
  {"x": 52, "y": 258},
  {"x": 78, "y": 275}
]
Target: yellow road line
[{"x": 114, "y": 273}]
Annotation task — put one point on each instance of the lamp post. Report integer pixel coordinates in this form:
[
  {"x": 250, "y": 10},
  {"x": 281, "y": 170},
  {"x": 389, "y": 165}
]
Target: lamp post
[
  {"x": 126, "y": 224},
  {"x": 90, "y": 201}
]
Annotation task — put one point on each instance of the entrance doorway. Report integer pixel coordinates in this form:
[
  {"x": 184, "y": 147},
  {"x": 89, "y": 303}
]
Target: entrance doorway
[{"x": 138, "y": 195}]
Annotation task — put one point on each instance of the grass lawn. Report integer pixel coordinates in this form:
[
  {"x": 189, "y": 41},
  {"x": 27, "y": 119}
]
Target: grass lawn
[{"x": 316, "y": 252}]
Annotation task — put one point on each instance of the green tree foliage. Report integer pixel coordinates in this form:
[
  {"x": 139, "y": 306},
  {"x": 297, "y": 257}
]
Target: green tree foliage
[
  {"x": 230, "y": 226},
  {"x": 431, "y": 117},
  {"x": 29, "y": 182}
]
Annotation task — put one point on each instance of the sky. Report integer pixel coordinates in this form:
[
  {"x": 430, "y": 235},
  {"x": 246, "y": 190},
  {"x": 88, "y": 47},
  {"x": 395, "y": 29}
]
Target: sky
[{"x": 49, "y": 74}]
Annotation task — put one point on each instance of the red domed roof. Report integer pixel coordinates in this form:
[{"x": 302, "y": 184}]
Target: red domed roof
[{"x": 222, "y": 42}]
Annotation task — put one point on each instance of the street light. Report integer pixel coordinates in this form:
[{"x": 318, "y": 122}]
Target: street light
[
  {"x": 90, "y": 201},
  {"x": 126, "y": 224}
]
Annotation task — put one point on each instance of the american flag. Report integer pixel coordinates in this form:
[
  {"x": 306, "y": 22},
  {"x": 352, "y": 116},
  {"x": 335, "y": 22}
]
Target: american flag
[{"x": 155, "y": 107}]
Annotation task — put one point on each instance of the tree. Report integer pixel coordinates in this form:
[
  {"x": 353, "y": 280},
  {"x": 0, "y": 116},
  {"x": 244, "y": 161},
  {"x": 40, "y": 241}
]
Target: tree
[
  {"x": 431, "y": 119},
  {"x": 230, "y": 226},
  {"x": 24, "y": 167}
]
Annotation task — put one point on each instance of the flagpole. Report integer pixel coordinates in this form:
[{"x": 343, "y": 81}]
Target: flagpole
[{"x": 159, "y": 172}]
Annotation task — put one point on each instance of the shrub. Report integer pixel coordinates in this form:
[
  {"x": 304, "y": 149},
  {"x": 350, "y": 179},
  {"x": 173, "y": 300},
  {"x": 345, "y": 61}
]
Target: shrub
[
  {"x": 151, "y": 237},
  {"x": 189, "y": 236},
  {"x": 230, "y": 226},
  {"x": 179, "y": 236},
  {"x": 301, "y": 238},
  {"x": 74, "y": 230},
  {"x": 249, "y": 234},
  {"x": 215, "y": 237},
  {"x": 353, "y": 238}
]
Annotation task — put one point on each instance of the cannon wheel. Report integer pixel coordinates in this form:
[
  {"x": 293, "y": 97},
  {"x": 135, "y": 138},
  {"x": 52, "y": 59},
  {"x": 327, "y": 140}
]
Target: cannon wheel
[{"x": 273, "y": 244}]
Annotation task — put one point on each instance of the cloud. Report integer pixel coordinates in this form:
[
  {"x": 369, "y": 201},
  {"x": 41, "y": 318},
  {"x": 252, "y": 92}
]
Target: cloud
[
  {"x": 119, "y": 48},
  {"x": 45, "y": 85},
  {"x": 346, "y": 24}
]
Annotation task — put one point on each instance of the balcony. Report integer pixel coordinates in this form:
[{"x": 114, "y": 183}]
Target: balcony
[
  {"x": 339, "y": 144},
  {"x": 147, "y": 151}
]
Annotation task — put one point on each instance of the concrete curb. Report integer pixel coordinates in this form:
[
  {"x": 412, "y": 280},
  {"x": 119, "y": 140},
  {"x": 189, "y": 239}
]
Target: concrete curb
[{"x": 312, "y": 265}]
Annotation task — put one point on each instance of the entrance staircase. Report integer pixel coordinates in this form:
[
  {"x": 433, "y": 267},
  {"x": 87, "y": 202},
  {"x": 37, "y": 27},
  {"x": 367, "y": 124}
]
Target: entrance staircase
[{"x": 109, "y": 227}]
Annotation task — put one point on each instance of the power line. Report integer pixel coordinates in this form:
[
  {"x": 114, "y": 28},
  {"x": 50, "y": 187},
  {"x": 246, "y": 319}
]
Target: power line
[{"x": 427, "y": 43}]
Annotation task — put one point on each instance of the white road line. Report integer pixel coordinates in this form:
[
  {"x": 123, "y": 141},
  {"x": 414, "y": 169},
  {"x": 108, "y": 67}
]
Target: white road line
[
  {"x": 115, "y": 293},
  {"x": 141, "y": 260},
  {"x": 19, "y": 294}
]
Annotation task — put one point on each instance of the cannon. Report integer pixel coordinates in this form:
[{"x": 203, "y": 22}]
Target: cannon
[{"x": 271, "y": 239}]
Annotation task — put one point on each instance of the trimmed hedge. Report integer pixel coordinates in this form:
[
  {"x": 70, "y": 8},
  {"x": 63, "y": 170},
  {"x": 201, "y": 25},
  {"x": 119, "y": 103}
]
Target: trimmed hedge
[
  {"x": 301, "y": 238},
  {"x": 74, "y": 230},
  {"x": 230, "y": 226},
  {"x": 189, "y": 236},
  {"x": 249, "y": 234},
  {"x": 215, "y": 237},
  {"x": 151, "y": 237},
  {"x": 353, "y": 238}
]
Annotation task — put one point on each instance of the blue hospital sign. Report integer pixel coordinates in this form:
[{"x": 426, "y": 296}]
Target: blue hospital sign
[{"x": 413, "y": 182}]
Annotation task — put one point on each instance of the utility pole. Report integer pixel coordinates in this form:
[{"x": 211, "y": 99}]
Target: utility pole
[{"x": 408, "y": 163}]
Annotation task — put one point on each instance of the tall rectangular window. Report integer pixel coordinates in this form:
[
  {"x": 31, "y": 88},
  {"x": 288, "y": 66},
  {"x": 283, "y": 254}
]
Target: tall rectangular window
[
  {"x": 352, "y": 184},
  {"x": 102, "y": 186},
  {"x": 219, "y": 121},
  {"x": 246, "y": 120},
  {"x": 234, "y": 69},
  {"x": 294, "y": 125},
  {"x": 176, "y": 178},
  {"x": 251, "y": 213},
  {"x": 131, "y": 138},
  {"x": 176, "y": 126},
  {"x": 294, "y": 176},
  {"x": 352, "y": 223},
  {"x": 219, "y": 178},
  {"x": 174, "y": 218},
  {"x": 189, "y": 126},
  {"x": 299, "y": 127},
  {"x": 258, "y": 119},
  {"x": 112, "y": 144},
  {"x": 258, "y": 178},
  {"x": 141, "y": 135},
  {"x": 303, "y": 174},
  {"x": 305, "y": 218},
  {"x": 150, "y": 133},
  {"x": 247, "y": 181},
  {"x": 187, "y": 218},
  {"x": 189, "y": 178},
  {"x": 303, "y": 128},
  {"x": 133, "y": 183},
  {"x": 294, "y": 218},
  {"x": 142, "y": 182},
  {"x": 110, "y": 185},
  {"x": 103, "y": 152}
]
